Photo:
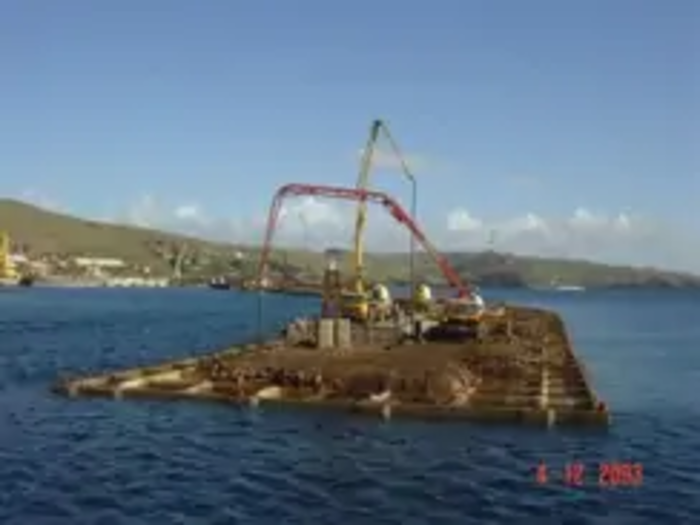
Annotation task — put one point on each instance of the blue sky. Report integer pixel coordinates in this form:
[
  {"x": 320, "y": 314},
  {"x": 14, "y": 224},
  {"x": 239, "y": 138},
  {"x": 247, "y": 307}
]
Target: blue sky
[{"x": 509, "y": 109}]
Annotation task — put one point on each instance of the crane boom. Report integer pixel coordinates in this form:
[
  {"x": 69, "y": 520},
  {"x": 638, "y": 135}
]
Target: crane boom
[
  {"x": 359, "y": 195},
  {"x": 361, "y": 220},
  {"x": 377, "y": 128}
]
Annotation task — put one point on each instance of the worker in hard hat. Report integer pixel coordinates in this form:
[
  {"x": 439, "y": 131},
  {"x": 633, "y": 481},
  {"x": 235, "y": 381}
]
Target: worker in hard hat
[
  {"x": 381, "y": 298},
  {"x": 380, "y": 293},
  {"x": 422, "y": 297},
  {"x": 478, "y": 300}
]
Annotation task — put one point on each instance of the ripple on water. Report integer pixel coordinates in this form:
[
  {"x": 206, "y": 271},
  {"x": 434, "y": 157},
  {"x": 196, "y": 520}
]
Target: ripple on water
[{"x": 108, "y": 462}]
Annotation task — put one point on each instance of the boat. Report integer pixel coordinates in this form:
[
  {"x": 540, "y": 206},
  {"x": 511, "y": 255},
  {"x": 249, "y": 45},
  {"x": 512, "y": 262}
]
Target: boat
[
  {"x": 220, "y": 283},
  {"x": 558, "y": 286},
  {"x": 569, "y": 288},
  {"x": 26, "y": 280},
  {"x": 23, "y": 281}
]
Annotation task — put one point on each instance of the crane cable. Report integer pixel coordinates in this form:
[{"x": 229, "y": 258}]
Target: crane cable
[{"x": 397, "y": 152}]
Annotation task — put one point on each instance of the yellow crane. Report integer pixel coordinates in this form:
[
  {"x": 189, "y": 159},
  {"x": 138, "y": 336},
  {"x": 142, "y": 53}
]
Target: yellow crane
[
  {"x": 358, "y": 304},
  {"x": 12, "y": 274},
  {"x": 7, "y": 266},
  {"x": 8, "y": 269}
]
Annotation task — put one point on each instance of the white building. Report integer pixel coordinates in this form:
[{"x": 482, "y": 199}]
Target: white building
[{"x": 98, "y": 262}]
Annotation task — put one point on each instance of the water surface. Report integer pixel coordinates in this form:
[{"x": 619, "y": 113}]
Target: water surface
[{"x": 144, "y": 462}]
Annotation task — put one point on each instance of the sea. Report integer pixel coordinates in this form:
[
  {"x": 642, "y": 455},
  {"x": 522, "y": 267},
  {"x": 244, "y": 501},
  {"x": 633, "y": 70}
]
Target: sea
[{"x": 111, "y": 462}]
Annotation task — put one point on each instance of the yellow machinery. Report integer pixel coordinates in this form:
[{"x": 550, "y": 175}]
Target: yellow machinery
[
  {"x": 461, "y": 312},
  {"x": 338, "y": 301},
  {"x": 8, "y": 270},
  {"x": 359, "y": 304},
  {"x": 459, "y": 318}
]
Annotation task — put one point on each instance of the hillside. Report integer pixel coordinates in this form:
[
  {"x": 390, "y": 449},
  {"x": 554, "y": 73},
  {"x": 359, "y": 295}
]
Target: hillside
[{"x": 40, "y": 233}]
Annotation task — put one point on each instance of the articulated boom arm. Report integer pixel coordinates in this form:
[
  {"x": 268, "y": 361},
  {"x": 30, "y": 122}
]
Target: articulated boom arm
[{"x": 359, "y": 195}]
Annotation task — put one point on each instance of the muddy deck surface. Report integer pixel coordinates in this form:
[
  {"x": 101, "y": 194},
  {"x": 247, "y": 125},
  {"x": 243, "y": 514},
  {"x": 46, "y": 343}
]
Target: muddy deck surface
[{"x": 525, "y": 373}]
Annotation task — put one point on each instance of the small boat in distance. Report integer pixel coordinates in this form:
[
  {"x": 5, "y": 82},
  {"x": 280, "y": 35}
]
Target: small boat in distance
[
  {"x": 569, "y": 288},
  {"x": 557, "y": 285},
  {"x": 220, "y": 283}
]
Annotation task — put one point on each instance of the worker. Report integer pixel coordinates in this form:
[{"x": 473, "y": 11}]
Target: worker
[
  {"x": 478, "y": 300},
  {"x": 381, "y": 294},
  {"x": 382, "y": 301},
  {"x": 422, "y": 296}
]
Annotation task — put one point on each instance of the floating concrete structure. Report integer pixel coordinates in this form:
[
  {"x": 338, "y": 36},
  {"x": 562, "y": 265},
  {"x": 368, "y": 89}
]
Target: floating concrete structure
[{"x": 522, "y": 368}]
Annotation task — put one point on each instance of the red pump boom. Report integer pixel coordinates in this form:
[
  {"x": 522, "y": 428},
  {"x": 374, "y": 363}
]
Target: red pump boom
[{"x": 353, "y": 194}]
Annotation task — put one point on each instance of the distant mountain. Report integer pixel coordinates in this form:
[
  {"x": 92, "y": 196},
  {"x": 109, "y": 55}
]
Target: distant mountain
[
  {"x": 40, "y": 231},
  {"x": 490, "y": 267}
]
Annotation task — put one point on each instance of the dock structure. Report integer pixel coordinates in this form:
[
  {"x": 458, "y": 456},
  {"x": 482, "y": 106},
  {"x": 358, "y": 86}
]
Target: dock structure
[{"x": 521, "y": 370}]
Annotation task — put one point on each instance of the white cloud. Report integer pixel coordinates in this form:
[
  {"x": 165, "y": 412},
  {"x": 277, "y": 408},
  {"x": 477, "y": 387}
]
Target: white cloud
[
  {"x": 311, "y": 211},
  {"x": 192, "y": 215},
  {"x": 618, "y": 236},
  {"x": 583, "y": 217},
  {"x": 587, "y": 220},
  {"x": 313, "y": 223},
  {"x": 460, "y": 220},
  {"x": 144, "y": 212},
  {"x": 187, "y": 211},
  {"x": 622, "y": 222},
  {"x": 528, "y": 223},
  {"x": 40, "y": 199},
  {"x": 148, "y": 212}
]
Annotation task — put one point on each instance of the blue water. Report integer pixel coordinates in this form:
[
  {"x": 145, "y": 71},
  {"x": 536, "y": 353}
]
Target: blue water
[{"x": 137, "y": 462}]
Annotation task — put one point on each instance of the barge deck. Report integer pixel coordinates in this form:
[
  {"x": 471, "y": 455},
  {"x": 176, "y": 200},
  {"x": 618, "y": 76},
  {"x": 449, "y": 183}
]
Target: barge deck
[{"x": 522, "y": 369}]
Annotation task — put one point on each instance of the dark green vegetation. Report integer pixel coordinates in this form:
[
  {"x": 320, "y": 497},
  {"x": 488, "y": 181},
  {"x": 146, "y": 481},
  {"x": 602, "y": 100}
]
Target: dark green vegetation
[{"x": 44, "y": 233}]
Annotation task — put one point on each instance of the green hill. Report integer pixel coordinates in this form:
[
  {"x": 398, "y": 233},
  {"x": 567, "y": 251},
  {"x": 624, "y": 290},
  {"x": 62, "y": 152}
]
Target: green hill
[
  {"x": 41, "y": 232},
  {"x": 45, "y": 233}
]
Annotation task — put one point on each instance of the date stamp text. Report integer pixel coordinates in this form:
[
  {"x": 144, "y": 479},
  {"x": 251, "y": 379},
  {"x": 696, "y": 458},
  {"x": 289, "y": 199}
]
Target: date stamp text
[{"x": 606, "y": 474}]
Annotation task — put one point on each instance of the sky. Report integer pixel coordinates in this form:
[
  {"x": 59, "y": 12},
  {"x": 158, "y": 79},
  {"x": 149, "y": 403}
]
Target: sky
[{"x": 565, "y": 129}]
